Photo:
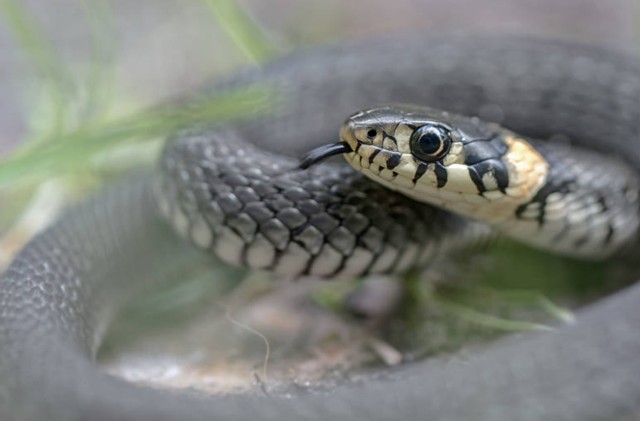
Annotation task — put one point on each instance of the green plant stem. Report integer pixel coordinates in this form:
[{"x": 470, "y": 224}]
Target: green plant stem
[
  {"x": 243, "y": 31},
  {"x": 40, "y": 53}
]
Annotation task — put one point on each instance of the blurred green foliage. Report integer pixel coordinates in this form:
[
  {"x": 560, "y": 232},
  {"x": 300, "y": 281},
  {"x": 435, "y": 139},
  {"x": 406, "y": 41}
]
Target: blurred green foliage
[{"x": 77, "y": 123}]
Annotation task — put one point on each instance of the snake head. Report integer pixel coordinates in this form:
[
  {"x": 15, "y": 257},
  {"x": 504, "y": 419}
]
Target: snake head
[{"x": 455, "y": 162}]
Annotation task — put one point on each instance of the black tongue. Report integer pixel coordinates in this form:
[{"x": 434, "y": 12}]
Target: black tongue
[{"x": 323, "y": 152}]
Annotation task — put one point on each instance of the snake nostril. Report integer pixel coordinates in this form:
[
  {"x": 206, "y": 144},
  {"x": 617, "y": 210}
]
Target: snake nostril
[{"x": 371, "y": 133}]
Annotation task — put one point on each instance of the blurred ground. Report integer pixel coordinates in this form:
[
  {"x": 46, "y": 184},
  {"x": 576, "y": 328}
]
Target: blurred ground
[{"x": 168, "y": 46}]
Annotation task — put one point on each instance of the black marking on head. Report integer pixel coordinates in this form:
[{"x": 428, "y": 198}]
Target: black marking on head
[
  {"x": 441, "y": 175},
  {"x": 422, "y": 168},
  {"x": 386, "y": 135},
  {"x": 375, "y": 153},
  {"x": 477, "y": 180},
  {"x": 477, "y": 152},
  {"x": 472, "y": 129},
  {"x": 495, "y": 167},
  {"x": 499, "y": 144},
  {"x": 394, "y": 160},
  {"x": 492, "y": 166},
  {"x": 502, "y": 175}
]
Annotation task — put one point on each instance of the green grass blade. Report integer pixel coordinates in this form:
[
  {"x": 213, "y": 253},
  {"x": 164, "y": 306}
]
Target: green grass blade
[
  {"x": 243, "y": 31},
  {"x": 487, "y": 320},
  {"x": 75, "y": 149},
  {"x": 101, "y": 78},
  {"x": 41, "y": 55}
]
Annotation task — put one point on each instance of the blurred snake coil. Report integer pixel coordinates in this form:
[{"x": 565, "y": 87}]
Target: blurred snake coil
[{"x": 427, "y": 182}]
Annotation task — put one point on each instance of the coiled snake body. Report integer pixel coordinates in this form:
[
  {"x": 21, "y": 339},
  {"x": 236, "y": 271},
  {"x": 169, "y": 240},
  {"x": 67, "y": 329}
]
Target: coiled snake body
[{"x": 254, "y": 206}]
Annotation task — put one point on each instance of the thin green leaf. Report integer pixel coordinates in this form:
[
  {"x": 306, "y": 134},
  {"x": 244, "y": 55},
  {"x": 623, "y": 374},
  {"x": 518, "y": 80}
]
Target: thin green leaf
[
  {"x": 40, "y": 53},
  {"x": 77, "y": 147},
  {"x": 488, "y": 320},
  {"x": 99, "y": 86},
  {"x": 243, "y": 31}
]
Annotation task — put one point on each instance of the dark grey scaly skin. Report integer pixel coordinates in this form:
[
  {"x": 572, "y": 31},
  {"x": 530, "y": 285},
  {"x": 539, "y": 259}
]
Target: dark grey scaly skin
[
  {"x": 258, "y": 210},
  {"x": 59, "y": 293}
]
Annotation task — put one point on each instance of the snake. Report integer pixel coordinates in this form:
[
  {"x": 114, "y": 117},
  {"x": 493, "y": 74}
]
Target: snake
[{"x": 449, "y": 141}]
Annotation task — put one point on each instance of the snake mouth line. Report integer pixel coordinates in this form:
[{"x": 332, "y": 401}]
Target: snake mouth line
[{"x": 323, "y": 152}]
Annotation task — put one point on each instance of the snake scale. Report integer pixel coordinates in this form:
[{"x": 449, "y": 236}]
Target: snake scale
[{"x": 61, "y": 291}]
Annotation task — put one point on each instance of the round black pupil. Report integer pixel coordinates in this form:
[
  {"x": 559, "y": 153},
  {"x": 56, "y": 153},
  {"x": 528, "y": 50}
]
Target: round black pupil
[
  {"x": 372, "y": 133},
  {"x": 430, "y": 142}
]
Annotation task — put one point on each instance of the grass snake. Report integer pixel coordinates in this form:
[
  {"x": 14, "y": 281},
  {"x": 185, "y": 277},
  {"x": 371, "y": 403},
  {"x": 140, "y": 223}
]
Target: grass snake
[{"x": 239, "y": 191}]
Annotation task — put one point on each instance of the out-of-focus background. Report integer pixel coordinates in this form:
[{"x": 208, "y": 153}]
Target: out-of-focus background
[
  {"x": 76, "y": 79},
  {"x": 160, "y": 47}
]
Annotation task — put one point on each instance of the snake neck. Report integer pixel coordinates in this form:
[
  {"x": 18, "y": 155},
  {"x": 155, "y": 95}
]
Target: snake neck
[
  {"x": 558, "y": 198},
  {"x": 587, "y": 207}
]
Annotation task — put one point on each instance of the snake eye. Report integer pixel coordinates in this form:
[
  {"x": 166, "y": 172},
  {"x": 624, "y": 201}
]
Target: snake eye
[
  {"x": 430, "y": 143},
  {"x": 371, "y": 133}
]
